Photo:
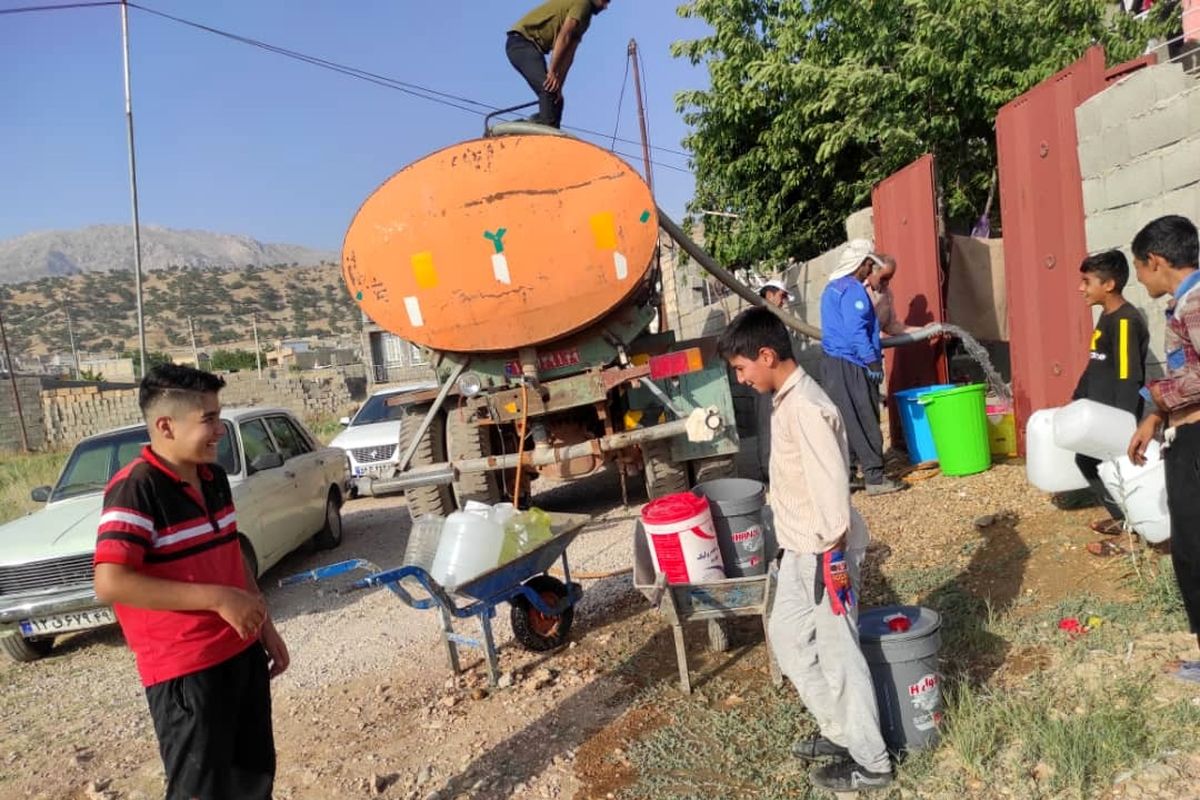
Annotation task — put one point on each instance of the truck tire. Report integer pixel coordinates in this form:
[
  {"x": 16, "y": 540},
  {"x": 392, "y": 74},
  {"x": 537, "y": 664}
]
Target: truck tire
[
  {"x": 18, "y": 648},
  {"x": 464, "y": 440},
  {"x": 713, "y": 468},
  {"x": 663, "y": 476},
  {"x": 421, "y": 500}
]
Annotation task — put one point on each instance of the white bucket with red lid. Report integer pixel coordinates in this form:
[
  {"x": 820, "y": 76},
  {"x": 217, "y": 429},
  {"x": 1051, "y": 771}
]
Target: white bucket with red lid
[{"x": 683, "y": 539}]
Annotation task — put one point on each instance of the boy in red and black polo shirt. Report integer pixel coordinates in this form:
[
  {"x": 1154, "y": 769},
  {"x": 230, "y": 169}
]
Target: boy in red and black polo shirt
[{"x": 168, "y": 560}]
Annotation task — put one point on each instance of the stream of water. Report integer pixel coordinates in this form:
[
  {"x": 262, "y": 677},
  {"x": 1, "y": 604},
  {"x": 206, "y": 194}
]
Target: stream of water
[{"x": 975, "y": 350}]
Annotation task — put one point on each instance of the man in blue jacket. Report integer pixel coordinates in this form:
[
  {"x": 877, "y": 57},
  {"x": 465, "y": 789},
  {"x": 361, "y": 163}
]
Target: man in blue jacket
[{"x": 852, "y": 367}]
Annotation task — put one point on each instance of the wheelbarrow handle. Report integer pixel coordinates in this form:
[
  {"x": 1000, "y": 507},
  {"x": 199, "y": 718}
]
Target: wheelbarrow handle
[
  {"x": 329, "y": 571},
  {"x": 390, "y": 580}
]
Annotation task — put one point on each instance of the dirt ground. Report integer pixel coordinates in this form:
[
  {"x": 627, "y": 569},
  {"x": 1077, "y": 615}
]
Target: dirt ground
[{"x": 369, "y": 707}]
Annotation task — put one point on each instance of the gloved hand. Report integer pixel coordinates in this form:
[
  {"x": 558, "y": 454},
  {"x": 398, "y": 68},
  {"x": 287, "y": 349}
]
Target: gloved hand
[
  {"x": 835, "y": 576},
  {"x": 875, "y": 371}
]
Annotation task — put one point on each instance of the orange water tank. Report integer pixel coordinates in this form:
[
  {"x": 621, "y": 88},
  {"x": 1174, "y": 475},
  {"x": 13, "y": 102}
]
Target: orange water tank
[{"x": 501, "y": 243}]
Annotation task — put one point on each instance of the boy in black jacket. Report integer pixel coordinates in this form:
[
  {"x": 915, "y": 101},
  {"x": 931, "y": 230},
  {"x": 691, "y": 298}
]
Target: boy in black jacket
[{"x": 1116, "y": 367}]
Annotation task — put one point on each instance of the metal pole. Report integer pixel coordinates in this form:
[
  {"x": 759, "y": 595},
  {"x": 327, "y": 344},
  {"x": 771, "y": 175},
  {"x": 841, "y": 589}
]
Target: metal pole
[
  {"x": 195, "y": 352},
  {"x": 257, "y": 349},
  {"x": 71, "y": 334},
  {"x": 637, "y": 86},
  {"x": 12, "y": 379},
  {"x": 137, "y": 233}
]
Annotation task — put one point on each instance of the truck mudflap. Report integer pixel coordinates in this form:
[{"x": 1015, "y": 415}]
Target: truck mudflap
[{"x": 700, "y": 425}]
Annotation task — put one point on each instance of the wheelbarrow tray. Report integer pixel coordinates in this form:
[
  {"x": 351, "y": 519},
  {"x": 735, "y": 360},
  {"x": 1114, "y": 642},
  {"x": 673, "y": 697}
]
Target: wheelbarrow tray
[
  {"x": 504, "y": 577},
  {"x": 711, "y": 601}
]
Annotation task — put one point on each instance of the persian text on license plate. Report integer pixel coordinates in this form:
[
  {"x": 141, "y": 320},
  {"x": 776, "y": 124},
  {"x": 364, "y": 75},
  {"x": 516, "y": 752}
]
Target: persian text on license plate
[{"x": 64, "y": 623}]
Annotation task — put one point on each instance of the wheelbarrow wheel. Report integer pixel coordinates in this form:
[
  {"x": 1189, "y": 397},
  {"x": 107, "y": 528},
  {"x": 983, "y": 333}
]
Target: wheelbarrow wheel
[
  {"x": 535, "y": 630},
  {"x": 718, "y": 636}
]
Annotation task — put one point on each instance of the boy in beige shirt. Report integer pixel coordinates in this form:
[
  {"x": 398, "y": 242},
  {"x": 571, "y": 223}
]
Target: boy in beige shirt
[{"x": 814, "y": 622}]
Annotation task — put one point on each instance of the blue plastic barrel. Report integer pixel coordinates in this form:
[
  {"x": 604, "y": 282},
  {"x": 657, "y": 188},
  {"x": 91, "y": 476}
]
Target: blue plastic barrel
[{"x": 918, "y": 438}]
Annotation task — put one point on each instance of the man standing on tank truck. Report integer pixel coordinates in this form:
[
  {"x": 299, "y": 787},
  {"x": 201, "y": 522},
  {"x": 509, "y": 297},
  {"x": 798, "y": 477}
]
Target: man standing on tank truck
[{"x": 555, "y": 29}]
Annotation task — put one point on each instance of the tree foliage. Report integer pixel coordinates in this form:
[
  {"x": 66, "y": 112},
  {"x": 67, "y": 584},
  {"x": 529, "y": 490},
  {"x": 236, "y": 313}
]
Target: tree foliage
[
  {"x": 813, "y": 102},
  {"x": 232, "y": 360}
]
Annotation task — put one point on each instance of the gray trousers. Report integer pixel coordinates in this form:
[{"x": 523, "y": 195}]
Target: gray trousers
[
  {"x": 818, "y": 651},
  {"x": 857, "y": 397}
]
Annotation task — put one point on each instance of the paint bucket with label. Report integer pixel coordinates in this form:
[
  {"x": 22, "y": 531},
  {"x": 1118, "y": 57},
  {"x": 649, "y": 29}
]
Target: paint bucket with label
[
  {"x": 901, "y": 646},
  {"x": 683, "y": 541},
  {"x": 737, "y": 505}
]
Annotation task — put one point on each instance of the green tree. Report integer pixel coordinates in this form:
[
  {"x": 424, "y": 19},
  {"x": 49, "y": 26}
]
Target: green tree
[
  {"x": 228, "y": 360},
  {"x": 812, "y": 102},
  {"x": 153, "y": 359}
]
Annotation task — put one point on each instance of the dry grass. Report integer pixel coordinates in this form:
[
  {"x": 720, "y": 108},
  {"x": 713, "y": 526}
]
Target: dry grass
[{"x": 19, "y": 474}]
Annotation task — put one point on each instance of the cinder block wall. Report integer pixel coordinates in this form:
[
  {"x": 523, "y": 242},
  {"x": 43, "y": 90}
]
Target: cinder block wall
[
  {"x": 29, "y": 389},
  {"x": 1139, "y": 153},
  {"x": 66, "y": 415}
]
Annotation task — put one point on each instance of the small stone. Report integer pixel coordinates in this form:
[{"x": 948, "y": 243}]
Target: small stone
[
  {"x": 1159, "y": 773},
  {"x": 449, "y": 701},
  {"x": 506, "y": 680},
  {"x": 424, "y": 774},
  {"x": 985, "y": 521},
  {"x": 478, "y": 694},
  {"x": 1042, "y": 772}
]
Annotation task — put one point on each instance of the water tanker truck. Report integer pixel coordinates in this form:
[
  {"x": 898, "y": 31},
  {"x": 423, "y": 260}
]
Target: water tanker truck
[{"x": 524, "y": 264}]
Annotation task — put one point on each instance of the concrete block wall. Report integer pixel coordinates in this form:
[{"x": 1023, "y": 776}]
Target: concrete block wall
[
  {"x": 29, "y": 390},
  {"x": 1139, "y": 154},
  {"x": 68, "y": 414}
]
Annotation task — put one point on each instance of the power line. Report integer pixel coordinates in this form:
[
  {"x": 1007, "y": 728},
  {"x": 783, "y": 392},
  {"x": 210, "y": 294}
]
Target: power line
[
  {"x": 63, "y": 7},
  {"x": 416, "y": 90}
]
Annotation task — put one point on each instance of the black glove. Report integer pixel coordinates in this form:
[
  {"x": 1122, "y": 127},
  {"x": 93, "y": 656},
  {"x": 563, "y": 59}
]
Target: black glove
[
  {"x": 819, "y": 583},
  {"x": 875, "y": 371}
]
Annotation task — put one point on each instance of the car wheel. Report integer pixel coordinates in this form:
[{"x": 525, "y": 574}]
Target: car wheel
[
  {"x": 19, "y": 648},
  {"x": 330, "y": 536}
]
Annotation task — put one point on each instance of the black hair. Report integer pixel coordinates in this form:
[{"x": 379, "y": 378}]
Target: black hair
[
  {"x": 176, "y": 379},
  {"x": 1110, "y": 265},
  {"x": 752, "y": 330},
  {"x": 1172, "y": 237}
]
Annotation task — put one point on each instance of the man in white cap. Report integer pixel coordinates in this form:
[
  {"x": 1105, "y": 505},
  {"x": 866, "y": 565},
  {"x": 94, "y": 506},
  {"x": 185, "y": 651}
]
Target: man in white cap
[
  {"x": 773, "y": 293},
  {"x": 852, "y": 367}
]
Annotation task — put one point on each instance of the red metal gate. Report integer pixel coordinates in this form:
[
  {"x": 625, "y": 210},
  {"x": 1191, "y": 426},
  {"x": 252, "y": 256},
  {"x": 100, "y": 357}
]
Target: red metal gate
[
  {"x": 1041, "y": 204},
  {"x": 906, "y": 227}
]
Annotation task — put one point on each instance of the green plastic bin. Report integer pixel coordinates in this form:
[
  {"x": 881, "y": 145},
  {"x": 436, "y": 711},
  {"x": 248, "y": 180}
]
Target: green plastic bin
[{"x": 958, "y": 420}]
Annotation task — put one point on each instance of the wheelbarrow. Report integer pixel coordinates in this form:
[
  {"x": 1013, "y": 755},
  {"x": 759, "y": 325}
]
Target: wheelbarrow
[
  {"x": 542, "y": 606},
  {"x": 714, "y": 602}
]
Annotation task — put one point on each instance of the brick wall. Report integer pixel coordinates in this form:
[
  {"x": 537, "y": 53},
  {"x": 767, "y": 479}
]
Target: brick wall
[{"x": 1139, "y": 153}]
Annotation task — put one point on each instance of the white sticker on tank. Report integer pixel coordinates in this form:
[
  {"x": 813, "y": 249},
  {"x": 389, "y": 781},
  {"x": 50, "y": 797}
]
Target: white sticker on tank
[
  {"x": 622, "y": 266},
  {"x": 413, "y": 305},
  {"x": 500, "y": 268}
]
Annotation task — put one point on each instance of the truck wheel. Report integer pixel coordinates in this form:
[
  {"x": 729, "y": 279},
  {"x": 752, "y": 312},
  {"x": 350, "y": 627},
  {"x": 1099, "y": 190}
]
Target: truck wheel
[
  {"x": 19, "y": 648},
  {"x": 663, "y": 476},
  {"x": 464, "y": 440},
  {"x": 711, "y": 469},
  {"x": 533, "y": 629},
  {"x": 421, "y": 500}
]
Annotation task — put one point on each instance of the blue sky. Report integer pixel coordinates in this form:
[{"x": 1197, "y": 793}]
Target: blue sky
[{"x": 233, "y": 139}]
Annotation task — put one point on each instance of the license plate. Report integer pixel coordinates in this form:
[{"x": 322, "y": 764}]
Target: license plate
[
  {"x": 374, "y": 472},
  {"x": 64, "y": 623}
]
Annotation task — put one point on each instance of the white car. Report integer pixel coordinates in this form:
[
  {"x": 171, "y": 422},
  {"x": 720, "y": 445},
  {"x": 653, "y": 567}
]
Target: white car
[
  {"x": 372, "y": 436},
  {"x": 288, "y": 489}
]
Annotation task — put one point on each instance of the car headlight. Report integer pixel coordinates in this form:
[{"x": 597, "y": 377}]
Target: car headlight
[{"x": 470, "y": 384}]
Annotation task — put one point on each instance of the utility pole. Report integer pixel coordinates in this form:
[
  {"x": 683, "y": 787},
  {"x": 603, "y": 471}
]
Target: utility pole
[
  {"x": 12, "y": 379},
  {"x": 137, "y": 234},
  {"x": 632, "y": 53},
  {"x": 71, "y": 335},
  {"x": 257, "y": 348},
  {"x": 195, "y": 352},
  {"x": 637, "y": 86}
]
